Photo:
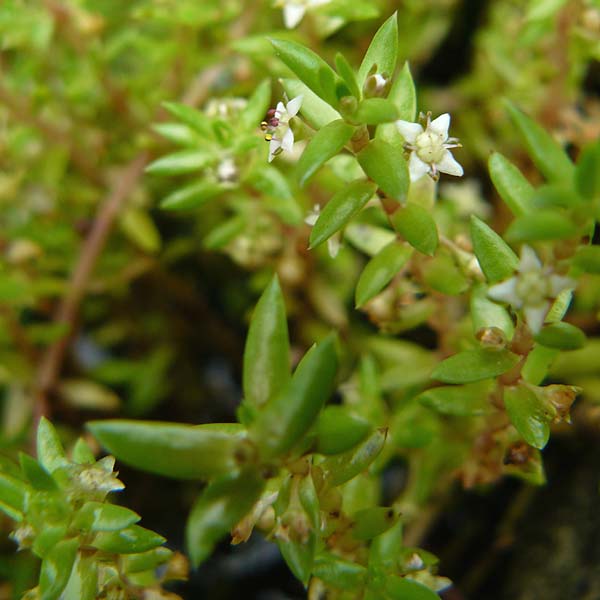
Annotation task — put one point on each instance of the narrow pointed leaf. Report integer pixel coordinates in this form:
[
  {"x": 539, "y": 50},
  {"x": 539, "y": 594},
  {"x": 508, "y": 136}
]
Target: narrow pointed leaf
[
  {"x": 267, "y": 352},
  {"x": 416, "y": 225},
  {"x": 339, "y": 430},
  {"x": 562, "y": 336},
  {"x": 540, "y": 226},
  {"x": 495, "y": 257},
  {"x": 347, "y": 74},
  {"x": 102, "y": 516},
  {"x": 380, "y": 270},
  {"x": 257, "y": 106},
  {"x": 326, "y": 143},
  {"x": 404, "y": 96},
  {"x": 131, "y": 540},
  {"x": 458, "y": 400},
  {"x": 511, "y": 184},
  {"x": 309, "y": 67},
  {"x": 192, "y": 196},
  {"x": 169, "y": 449},
  {"x": 218, "y": 509},
  {"x": 545, "y": 152},
  {"x": 316, "y": 111},
  {"x": 340, "y": 209},
  {"x": 528, "y": 414},
  {"x": 587, "y": 173},
  {"x": 338, "y": 572},
  {"x": 403, "y": 588},
  {"x": 50, "y": 451},
  {"x": 474, "y": 365},
  {"x": 185, "y": 161},
  {"x": 56, "y": 569},
  {"x": 386, "y": 166},
  {"x": 190, "y": 116},
  {"x": 373, "y": 111},
  {"x": 344, "y": 467},
  {"x": 287, "y": 416},
  {"x": 382, "y": 52}
]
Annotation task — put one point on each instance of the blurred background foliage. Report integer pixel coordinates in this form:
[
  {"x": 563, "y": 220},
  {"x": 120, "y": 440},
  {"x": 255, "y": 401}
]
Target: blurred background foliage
[{"x": 111, "y": 306}]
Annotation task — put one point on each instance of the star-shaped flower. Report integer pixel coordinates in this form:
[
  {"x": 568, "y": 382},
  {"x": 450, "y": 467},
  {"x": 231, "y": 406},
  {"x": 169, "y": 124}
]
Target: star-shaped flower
[
  {"x": 277, "y": 127},
  {"x": 430, "y": 147},
  {"x": 532, "y": 289},
  {"x": 294, "y": 10}
]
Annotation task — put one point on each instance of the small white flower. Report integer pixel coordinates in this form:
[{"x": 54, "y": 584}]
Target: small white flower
[
  {"x": 278, "y": 132},
  {"x": 226, "y": 170},
  {"x": 294, "y": 10},
  {"x": 333, "y": 243},
  {"x": 531, "y": 289},
  {"x": 430, "y": 147}
]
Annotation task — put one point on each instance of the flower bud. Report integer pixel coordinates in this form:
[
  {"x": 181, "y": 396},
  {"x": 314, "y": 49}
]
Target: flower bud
[{"x": 376, "y": 86}]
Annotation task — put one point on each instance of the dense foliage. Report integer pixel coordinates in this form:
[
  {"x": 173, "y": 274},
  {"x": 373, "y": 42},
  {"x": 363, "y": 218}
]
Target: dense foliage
[{"x": 178, "y": 176}]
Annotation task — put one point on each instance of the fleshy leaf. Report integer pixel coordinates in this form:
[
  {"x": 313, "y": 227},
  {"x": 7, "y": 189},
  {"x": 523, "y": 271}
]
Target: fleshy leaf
[
  {"x": 496, "y": 258},
  {"x": 386, "y": 166},
  {"x": 475, "y": 365},
  {"x": 528, "y": 414},
  {"x": 417, "y": 226}
]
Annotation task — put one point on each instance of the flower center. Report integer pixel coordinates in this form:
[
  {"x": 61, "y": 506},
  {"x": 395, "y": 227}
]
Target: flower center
[
  {"x": 430, "y": 147},
  {"x": 532, "y": 288}
]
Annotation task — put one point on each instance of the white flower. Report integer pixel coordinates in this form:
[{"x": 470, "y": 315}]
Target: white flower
[
  {"x": 226, "y": 170},
  {"x": 277, "y": 127},
  {"x": 430, "y": 147},
  {"x": 333, "y": 243},
  {"x": 532, "y": 289},
  {"x": 294, "y": 10}
]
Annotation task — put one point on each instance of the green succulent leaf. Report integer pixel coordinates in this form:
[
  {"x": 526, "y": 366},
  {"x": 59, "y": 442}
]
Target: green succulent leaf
[
  {"x": 380, "y": 270},
  {"x": 338, "y": 572},
  {"x": 346, "y": 72},
  {"x": 538, "y": 364},
  {"x": 458, "y": 400},
  {"x": 144, "y": 561},
  {"x": 403, "y": 588},
  {"x": 528, "y": 414},
  {"x": 56, "y": 569},
  {"x": 50, "y": 451},
  {"x": 218, "y": 508},
  {"x": 382, "y": 52},
  {"x": 347, "y": 203},
  {"x": 541, "y": 225},
  {"x": 386, "y": 166},
  {"x": 511, "y": 184},
  {"x": 587, "y": 258},
  {"x": 310, "y": 68},
  {"x": 299, "y": 556},
  {"x": 286, "y": 417},
  {"x": 13, "y": 491},
  {"x": 475, "y": 365},
  {"x": 185, "y": 161},
  {"x": 344, "y": 467},
  {"x": 486, "y": 314},
  {"x": 496, "y": 258},
  {"x": 404, "y": 96},
  {"x": 587, "y": 173},
  {"x": 195, "y": 119},
  {"x": 192, "y": 196},
  {"x": 326, "y": 143},
  {"x": 316, "y": 111},
  {"x": 257, "y": 106},
  {"x": 131, "y": 540},
  {"x": 267, "y": 353},
  {"x": 562, "y": 336},
  {"x": 168, "y": 449},
  {"x": 37, "y": 476},
  {"x": 373, "y": 521},
  {"x": 102, "y": 516},
  {"x": 338, "y": 430},
  {"x": 374, "y": 111},
  {"x": 417, "y": 226},
  {"x": 545, "y": 152}
]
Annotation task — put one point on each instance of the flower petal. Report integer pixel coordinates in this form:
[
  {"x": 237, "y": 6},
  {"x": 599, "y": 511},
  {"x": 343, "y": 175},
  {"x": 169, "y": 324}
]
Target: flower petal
[
  {"x": 535, "y": 315},
  {"x": 416, "y": 167},
  {"x": 287, "y": 143},
  {"x": 333, "y": 245},
  {"x": 274, "y": 145},
  {"x": 450, "y": 165},
  {"x": 505, "y": 292},
  {"x": 293, "y": 106},
  {"x": 409, "y": 131},
  {"x": 293, "y": 14},
  {"x": 529, "y": 260},
  {"x": 558, "y": 283},
  {"x": 440, "y": 125}
]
